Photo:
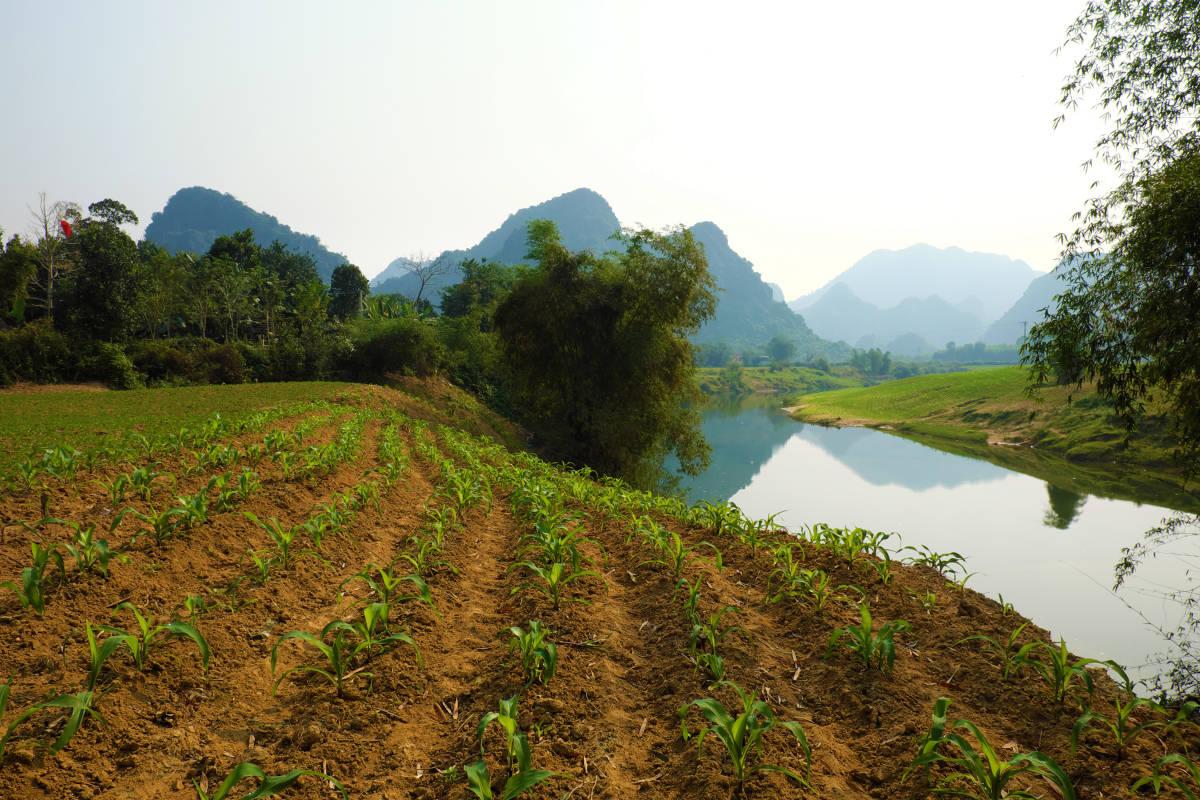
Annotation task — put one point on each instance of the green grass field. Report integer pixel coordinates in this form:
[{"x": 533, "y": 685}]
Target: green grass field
[{"x": 84, "y": 419}]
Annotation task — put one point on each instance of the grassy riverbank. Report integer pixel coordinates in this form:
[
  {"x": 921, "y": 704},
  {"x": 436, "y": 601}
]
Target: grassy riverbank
[
  {"x": 783, "y": 381},
  {"x": 1067, "y": 436}
]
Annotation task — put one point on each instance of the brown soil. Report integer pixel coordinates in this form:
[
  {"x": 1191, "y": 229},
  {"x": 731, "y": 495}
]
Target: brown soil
[{"x": 607, "y": 723}]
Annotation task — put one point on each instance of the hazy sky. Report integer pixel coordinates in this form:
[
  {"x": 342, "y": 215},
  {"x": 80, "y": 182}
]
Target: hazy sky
[{"x": 812, "y": 134}]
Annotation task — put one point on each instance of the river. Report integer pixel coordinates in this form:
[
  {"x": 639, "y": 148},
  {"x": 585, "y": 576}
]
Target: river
[{"x": 1049, "y": 551}]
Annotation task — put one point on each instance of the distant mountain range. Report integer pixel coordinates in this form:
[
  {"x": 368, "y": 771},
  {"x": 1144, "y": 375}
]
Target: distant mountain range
[
  {"x": 747, "y": 311},
  {"x": 916, "y": 300},
  {"x": 194, "y": 217},
  {"x": 1027, "y": 311},
  {"x": 584, "y": 219},
  {"x": 915, "y": 326},
  {"x": 983, "y": 283}
]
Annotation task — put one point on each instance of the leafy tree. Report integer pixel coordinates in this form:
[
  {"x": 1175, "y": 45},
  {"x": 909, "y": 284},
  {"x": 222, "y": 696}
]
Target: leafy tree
[
  {"x": 598, "y": 353},
  {"x": 348, "y": 289},
  {"x": 163, "y": 296},
  {"x": 18, "y": 265},
  {"x": 1128, "y": 320},
  {"x": 112, "y": 212},
  {"x": 104, "y": 285},
  {"x": 1127, "y": 316},
  {"x": 484, "y": 284},
  {"x": 780, "y": 350}
]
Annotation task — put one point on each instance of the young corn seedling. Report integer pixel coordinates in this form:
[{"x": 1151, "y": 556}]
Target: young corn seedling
[
  {"x": 1122, "y": 725},
  {"x": 141, "y": 640},
  {"x": 373, "y": 634},
  {"x": 691, "y": 598},
  {"x": 554, "y": 580},
  {"x": 262, "y": 562},
  {"x": 928, "y": 601},
  {"x": 281, "y": 535},
  {"x": 876, "y": 649},
  {"x": 720, "y": 517},
  {"x": 385, "y": 584},
  {"x": 742, "y": 732},
  {"x": 714, "y": 665},
  {"x": 88, "y": 552},
  {"x": 193, "y": 509},
  {"x": 942, "y": 562},
  {"x": 141, "y": 480},
  {"x": 116, "y": 489},
  {"x": 713, "y": 632},
  {"x": 334, "y": 644},
  {"x": 479, "y": 780},
  {"x": 1011, "y": 655},
  {"x": 423, "y": 556},
  {"x": 522, "y": 775},
  {"x": 539, "y": 655},
  {"x": 31, "y": 590},
  {"x": 1060, "y": 671},
  {"x": 161, "y": 525},
  {"x": 195, "y": 605},
  {"x": 1175, "y": 770},
  {"x": 515, "y": 744},
  {"x": 673, "y": 554},
  {"x": 75, "y": 707},
  {"x": 268, "y": 785},
  {"x": 980, "y": 773}
]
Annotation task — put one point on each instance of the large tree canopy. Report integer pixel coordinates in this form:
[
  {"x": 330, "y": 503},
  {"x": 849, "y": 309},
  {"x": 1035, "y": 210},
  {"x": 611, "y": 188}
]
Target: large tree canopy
[
  {"x": 1127, "y": 319},
  {"x": 597, "y": 350}
]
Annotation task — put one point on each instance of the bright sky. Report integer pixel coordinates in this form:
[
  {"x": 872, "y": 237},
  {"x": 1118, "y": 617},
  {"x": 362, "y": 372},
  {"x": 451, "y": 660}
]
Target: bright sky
[{"x": 812, "y": 134}]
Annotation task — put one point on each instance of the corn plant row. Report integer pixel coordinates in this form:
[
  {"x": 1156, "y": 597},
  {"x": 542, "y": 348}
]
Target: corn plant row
[
  {"x": 62, "y": 462},
  {"x": 222, "y": 494}
]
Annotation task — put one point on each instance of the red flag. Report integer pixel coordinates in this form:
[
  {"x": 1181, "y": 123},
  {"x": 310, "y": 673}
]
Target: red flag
[{"x": 66, "y": 228}]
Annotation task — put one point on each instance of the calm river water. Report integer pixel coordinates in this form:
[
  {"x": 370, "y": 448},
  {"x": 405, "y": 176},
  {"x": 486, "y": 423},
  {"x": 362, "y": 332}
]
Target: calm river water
[{"x": 1049, "y": 551}]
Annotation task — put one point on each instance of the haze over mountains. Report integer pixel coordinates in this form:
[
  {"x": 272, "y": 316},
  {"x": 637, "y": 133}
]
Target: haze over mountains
[{"x": 913, "y": 301}]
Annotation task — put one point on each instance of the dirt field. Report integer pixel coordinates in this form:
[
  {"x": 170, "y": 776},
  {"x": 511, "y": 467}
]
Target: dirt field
[{"x": 468, "y": 513}]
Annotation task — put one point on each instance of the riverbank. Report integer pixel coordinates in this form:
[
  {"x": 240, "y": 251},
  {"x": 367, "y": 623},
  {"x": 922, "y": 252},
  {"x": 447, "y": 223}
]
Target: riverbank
[
  {"x": 726, "y": 382},
  {"x": 1060, "y": 434}
]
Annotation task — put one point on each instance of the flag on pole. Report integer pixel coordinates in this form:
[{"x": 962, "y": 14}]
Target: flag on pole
[{"x": 66, "y": 228}]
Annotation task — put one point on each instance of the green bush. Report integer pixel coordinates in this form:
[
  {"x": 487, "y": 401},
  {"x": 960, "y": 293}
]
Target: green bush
[
  {"x": 36, "y": 352},
  {"x": 108, "y": 363},
  {"x": 404, "y": 346}
]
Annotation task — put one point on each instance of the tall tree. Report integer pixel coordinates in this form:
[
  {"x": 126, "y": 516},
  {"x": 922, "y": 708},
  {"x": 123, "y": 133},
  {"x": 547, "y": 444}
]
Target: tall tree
[
  {"x": 104, "y": 287},
  {"x": 1127, "y": 316},
  {"x": 426, "y": 270},
  {"x": 18, "y": 266},
  {"x": 598, "y": 352},
  {"x": 53, "y": 251},
  {"x": 348, "y": 290}
]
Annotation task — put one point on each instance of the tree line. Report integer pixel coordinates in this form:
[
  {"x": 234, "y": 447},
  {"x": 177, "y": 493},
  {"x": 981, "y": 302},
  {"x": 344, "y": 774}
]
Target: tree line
[{"x": 591, "y": 353}]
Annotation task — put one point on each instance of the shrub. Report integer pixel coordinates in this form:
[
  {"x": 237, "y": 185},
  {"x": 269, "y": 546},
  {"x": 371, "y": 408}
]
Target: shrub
[
  {"x": 404, "y": 346},
  {"x": 35, "y": 352}
]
